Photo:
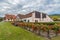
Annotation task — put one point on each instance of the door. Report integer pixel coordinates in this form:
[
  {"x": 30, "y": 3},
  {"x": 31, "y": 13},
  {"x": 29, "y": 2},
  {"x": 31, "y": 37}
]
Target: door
[{"x": 36, "y": 20}]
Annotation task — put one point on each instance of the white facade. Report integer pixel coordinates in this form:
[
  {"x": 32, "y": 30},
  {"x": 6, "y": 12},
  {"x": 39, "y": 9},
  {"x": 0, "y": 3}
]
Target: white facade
[
  {"x": 8, "y": 20},
  {"x": 33, "y": 19}
]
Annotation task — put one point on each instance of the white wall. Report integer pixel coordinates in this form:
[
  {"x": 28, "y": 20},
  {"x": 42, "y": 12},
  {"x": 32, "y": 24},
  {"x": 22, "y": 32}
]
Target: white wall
[
  {"x": 8, "y": 20},
  {"x": 32, "y": 19}
]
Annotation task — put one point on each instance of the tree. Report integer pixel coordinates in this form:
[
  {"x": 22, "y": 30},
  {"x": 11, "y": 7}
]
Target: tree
[
  {"x": 1, "y": 19},
  {"x": 55, "y": 18},
  {"x": 56, "y": 29},
  {"x": 47, "y": 29},
  {"x": 38, "y": 28},
  {"x": 29, "y": 26}
]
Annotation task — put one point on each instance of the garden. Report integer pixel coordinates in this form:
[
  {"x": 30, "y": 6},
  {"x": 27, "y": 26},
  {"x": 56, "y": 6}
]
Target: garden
[{"x": 48, "y": 30}]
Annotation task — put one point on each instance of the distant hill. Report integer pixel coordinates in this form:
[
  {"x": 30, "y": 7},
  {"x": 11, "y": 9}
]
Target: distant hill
[{"x": 55, "y": 15}]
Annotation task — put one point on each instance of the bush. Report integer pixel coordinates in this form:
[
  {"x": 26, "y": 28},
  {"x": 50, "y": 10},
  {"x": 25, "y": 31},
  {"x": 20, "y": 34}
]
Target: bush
[
  {"x": 1, "y": 19},
  {"x": 46, "y": 23}
]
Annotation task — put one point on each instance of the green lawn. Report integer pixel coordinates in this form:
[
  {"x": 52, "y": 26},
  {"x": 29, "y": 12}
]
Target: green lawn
[
  {"x": 56, "y": 38},
  {"x": 10, "y": 32}
]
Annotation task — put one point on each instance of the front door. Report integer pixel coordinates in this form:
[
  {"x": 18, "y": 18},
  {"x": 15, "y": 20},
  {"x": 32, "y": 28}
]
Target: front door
[{"x": 36, "y": 20}]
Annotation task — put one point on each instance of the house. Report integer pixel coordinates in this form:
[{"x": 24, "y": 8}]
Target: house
[
  {"x": 34, "y": 16},
  {"x": 9, "y": 17}
]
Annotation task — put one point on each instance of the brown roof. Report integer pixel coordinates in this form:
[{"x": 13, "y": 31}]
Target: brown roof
[
  {"x": 24, "y": 16},
  {"x": 27, "y": 15},
  {"x": 8, "y": 16}
]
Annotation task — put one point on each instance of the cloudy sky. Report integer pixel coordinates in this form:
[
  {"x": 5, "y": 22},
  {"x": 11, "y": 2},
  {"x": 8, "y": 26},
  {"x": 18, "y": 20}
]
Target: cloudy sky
[{"x": 26, "y": 6}]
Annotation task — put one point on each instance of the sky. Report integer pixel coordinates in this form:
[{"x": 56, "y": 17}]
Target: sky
[{"x": 26, "y": 6}]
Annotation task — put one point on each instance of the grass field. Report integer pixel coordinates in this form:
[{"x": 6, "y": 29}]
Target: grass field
[
  {"x": 10, "y": 32},
  {"x": 56, "y": 38}
]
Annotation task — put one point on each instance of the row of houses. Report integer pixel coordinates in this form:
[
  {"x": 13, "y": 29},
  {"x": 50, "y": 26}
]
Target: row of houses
[{"x": 34, "y": 16}]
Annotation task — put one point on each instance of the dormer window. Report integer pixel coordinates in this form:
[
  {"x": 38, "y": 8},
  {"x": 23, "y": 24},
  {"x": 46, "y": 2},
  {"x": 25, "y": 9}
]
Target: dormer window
[
  {"x": 37, "y": 15},
  {"x": 43, "y": 15}
]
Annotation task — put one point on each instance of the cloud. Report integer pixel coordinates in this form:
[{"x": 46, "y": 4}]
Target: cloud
[
  {"x": 14, "y": 2},
  {"x": 56, "y": 1},
  {"x": 26, "y": 6}
]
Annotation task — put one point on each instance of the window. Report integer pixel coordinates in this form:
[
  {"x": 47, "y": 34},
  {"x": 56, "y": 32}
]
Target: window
[
  {"x": 28, "y": 20},
  {"x": 43, "y": 15},
  {"x": 24, "y": 20},
  {"x": 36, "y": 20},
  {"x": 37, "y": 15},
  {"x": 8, "y": 19}
]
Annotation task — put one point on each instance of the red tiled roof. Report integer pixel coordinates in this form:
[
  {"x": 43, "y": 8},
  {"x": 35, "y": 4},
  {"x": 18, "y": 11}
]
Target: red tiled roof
[
  {"x": 24, "y": 16},
  {"x": 8, "y": 16}
]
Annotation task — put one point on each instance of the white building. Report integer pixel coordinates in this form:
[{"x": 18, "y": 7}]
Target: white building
[
  {"x": 35, "y": 17},
  {"x": 9, "y": 17}
]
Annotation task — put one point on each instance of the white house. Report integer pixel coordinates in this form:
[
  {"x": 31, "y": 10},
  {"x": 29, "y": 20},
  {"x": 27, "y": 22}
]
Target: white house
[
  {"x": 9, "y": 17},
  {"x": 35, "y": 16}
]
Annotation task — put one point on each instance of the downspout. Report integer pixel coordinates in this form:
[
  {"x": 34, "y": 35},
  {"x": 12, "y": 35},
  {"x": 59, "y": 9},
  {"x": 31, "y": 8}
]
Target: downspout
[{"x": 41, "y": 16}]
